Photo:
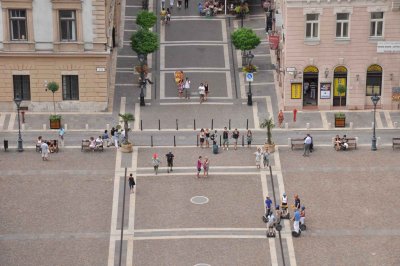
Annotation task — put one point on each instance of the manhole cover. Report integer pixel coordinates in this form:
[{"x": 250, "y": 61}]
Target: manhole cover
[{"x": 199, "y": 200}]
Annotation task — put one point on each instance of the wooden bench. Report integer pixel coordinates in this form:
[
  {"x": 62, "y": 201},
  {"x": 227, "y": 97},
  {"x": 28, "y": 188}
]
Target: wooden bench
[
  {"x": 297, "y": 143},
  {"x": 352, "y": 142},
  {"x": 395, "y": 143},
  {"x": 85, "y": 146}
]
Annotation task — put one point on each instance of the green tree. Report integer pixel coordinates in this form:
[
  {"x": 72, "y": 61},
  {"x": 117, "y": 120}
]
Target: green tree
[
  {"x": 245, "y": 39},
  {"x": 144, "y": 42},
  {"x": 126, "y": 118},
  {"x": 341, "y": 90},
  {"x": 53, "y": 87},
  {"x": 269, "y": 124},
  {"x": 146, "y": 19}
]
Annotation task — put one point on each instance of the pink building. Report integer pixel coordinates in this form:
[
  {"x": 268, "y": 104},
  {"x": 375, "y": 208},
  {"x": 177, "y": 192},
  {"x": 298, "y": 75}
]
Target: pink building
[{"x": 332, "y": 46}]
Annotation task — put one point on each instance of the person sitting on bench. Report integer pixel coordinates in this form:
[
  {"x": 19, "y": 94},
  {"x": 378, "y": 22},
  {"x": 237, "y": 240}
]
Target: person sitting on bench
[{"x": 343, "y": 143}]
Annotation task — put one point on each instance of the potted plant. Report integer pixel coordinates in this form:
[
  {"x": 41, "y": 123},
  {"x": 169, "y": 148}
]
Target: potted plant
[
  {"x": 249, "y": 68},
  {"x": 341, "y": 90},
  {"x": 55, "y": 120},
  {"x": 340, "y": 120},
  {"x": 269, "y": 124},
  {"x": 126, "y": 145}
]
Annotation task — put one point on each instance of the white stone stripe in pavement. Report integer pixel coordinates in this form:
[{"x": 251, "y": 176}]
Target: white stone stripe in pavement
[
  {"x": 2, "y": 119},
  {"x": 379, "y": 120},
  {"x": 12, "y": 121},
  {"x": 324, "y": 120},
  {"x": 387, "y": 117},
  {"x": 255, "y": 115},
  {"x": 127, "y": 56},
  {"x": 271, "y": 241},
  {"x": 114, "y": 211},
  {"x": 260, "y": 83},
  {"x": 136, "y": 125},
  {"x": 198, "y": 103},
  {"x": 281, "y": 186},
  {"x": 132, "y": 206}
]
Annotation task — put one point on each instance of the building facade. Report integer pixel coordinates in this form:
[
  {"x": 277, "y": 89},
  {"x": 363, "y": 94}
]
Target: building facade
[
  {"x": 337, "y": 54},
  {"x": 66, "y": 41}
]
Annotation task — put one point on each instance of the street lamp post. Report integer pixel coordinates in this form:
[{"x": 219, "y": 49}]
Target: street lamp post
[
  {"x": 375, "y": 99},
  {"x": 18, "y": 101},
  {"x": 250, "y": 57},
  {"x": 242, "y": 12},
  {"x": 142, "y": 79}
]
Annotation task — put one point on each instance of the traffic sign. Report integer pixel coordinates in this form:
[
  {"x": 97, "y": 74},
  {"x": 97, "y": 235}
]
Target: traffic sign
[{"x": 249, "y": 77}]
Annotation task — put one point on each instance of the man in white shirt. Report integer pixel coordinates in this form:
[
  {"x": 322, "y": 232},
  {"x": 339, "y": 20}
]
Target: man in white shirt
[
  {"x": 186, "y": 86},
  {"x": 307, "y": 144},
  {"x": 202, "y": 92}
]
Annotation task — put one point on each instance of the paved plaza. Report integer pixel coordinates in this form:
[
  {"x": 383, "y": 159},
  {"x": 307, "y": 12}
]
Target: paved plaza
[{"x": 71, "y": 210}]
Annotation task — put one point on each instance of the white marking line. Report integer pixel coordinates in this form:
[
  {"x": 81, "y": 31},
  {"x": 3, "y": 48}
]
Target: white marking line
[
  {"x": 199, "y": 229},
  {"x": 226, "y": 56},
  {"x": 379, "y": 120},
  {"x": 148, "y": 88},
  {"x": 122, "y": 107},
  {"x": 114, "y": 212},
  {"x": 130, "y": 30},
  {"x": 2, "y": 119},
  {"x": 269, "y": 107},
  {"x": 167, "y": 43},
  {"x": 128, "y": 56},
  {"x": 224, "y": 32},
  {"x": 12, "y": 121},
  {"x": 194, "y": 171},
  {"x": 387, "y": 117},
  {"x": 271, "y": 241},
  {"x": 136, "y": 125},
  {"x": 196, "y": 43},
  {"x": 281, "y": 186},
  {"x": 191, "y": 168},
  {"x": 242, "y": 86},
  {"x": 132, "y": 205},
  {"x": 260, "y": 83},
  {"x": 229, "y": 87},
  {"x": 201, "y": 237},
  {"x": 324, "y": 120},
  {"x": 194, "y": 69},
  {"x": 162, "y": 55},
  {"x": 255, "y": 116},
  {"x": 198, "y": 103}
]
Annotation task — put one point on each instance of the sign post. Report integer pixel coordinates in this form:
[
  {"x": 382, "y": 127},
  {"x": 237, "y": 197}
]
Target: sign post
[{"x": 250, "y": 79}]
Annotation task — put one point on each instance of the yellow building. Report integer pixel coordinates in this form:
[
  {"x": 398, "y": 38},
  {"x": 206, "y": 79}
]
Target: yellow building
[{"x": 66, "y": 41}]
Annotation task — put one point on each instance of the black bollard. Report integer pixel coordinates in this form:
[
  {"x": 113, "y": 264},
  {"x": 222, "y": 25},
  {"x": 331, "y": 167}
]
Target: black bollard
[
  {"x": 151, "y": 140},
  {"x": 197, "y": 140},
  {"x": 141, "y": 125},
  {"x": 174, "y": 142},
  {"x": 176, "y": 124},
  {"x": 194, "y": 124},
  {"x": 159, "y": 124},
  {"x": 229, "y": 124},
  {"x": 220, "y": 140},
  {"x": 247, "y": 124},
  {"x": 212, "y": 124},
  {"x": 242, "y": 140}
]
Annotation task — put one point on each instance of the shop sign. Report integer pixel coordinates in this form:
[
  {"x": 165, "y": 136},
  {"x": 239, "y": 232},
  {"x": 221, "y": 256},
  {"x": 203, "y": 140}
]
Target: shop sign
[
  {"x": 100, "y": 69},
  {"x": 325, "y": 89},
  {"x": 388, "y": 47},
  {"x": 396, "y": 94},
  {"x": 296, "y": 90}
]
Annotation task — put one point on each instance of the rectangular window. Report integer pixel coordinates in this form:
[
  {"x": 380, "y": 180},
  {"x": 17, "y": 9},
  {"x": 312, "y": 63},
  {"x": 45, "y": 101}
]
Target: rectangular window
[
  {"x": 18, "y": 28},
  {"x": 70, "y": 87},
  {"x": 342, "y": 25},
  {"x": 376, "y": 24},
  {"x": 22, "y": 87},
  {"x": 312, "y": 21},
  {"x": 67, "y": 25}
]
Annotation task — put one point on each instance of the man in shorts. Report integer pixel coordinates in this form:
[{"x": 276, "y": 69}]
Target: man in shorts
[
  {"x": 170, "y": 161},
  {"x": 268, "y": 205},
  {"x": 235, "y": 136},
  {"x": 45, "y": 151},
  {"x": 225, "y": 138}
]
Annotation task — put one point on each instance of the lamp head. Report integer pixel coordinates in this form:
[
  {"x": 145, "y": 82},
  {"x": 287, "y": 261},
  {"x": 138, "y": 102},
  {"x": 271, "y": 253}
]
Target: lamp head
[
  {"x": 18, "y": 100},
  {"x": 375, "y": 99},
  {"x": 141, "y": 58}
]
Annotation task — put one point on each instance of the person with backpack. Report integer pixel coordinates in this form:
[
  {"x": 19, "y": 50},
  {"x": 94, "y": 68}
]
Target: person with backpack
[
  {"x": 266, "y": 158},
  {"x": 170, "y": 161},
  {"x": 225, "y": 138},
  {"x": 235, "y": 136}
]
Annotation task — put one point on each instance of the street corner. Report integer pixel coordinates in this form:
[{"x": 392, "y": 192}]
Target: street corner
[
  {"x": 183, "y": 252},
  {"x": 185, "y": 201}
]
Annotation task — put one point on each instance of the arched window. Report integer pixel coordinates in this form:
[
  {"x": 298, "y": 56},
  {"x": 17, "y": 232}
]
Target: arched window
[
  {"x": 339, "y": 82},
  {"x": 374, "y": 80},
  {"x": 310, "y": 86}
]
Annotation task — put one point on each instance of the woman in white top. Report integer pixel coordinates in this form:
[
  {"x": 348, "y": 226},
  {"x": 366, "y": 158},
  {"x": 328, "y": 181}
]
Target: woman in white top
[
  {"x": 202, "y": 92},
  {"x": 258, "y": 157}
]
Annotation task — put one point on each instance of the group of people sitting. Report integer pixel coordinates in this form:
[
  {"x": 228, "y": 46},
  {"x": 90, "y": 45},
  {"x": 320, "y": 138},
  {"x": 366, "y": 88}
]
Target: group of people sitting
[
  {"x": 341, "y": 143},
  {"x": 51, "y": 144},
  {"x": 210, "y": 8},
  {"x": 96, "y": 143}
]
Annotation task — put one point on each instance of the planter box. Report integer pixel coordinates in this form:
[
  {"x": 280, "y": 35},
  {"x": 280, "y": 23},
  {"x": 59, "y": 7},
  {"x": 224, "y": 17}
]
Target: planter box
[
  {"x": 55, "y": 124},
  {"x": 270, "y": 147},
  {"x": 340, "y": 122}
]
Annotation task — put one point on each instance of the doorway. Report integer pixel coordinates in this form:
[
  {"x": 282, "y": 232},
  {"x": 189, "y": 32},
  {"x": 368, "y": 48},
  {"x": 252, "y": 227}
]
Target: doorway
[
  {"x": 310, "y": 86},
  {"x": 339, "y": 80}
]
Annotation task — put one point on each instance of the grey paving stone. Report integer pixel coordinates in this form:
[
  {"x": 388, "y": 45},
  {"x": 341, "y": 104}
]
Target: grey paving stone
[
  {"x": 185, "y": 30},
  {"x": 194, "y": 56}
]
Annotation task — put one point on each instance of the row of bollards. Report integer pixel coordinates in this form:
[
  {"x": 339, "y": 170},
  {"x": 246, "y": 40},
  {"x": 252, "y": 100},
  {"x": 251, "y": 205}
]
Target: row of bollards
[{"x": 194, "y": 124}]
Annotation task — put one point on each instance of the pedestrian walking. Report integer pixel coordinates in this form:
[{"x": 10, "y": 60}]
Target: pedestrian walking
[
  {"x": 116, "y": 138},
  {"x": 207, "y": 138},
  {"x": 199, "y": 164},
  {"x": 45, "y": 151},
  {"x": 214, "y": 137},
  {"x": 170, "y": 161},
  {"x": 307, "y": 144},
  {"x": 202, "y": 92},
  {"x": 163, "y": 15},
  {"x": 235, "y": 136},
  {"x": 162, "y": 4},
  {"x": 258, "y": 154},
  {"x": 171, "y": 4},
  {"x": 202, "y": 137},
  {"x": 106, "y": 138},
  {"x": 280, "y": 118},
  {"x": 131, "y": 183},
  {"x": 180, "y": 88},
  {"x": 179, "y": 4},
  {"x": 225, "y": 139},
  {"x": 249, "y": 137},
  {"x": 187, "y": 88},
  {"x": 206, "y": 90},
  {"x": 168, "y": 16},
  {"x": 61, "y": 133},
  {"x": 186, "y": 4},
  {"x": 206, "y": 165},
  {"x": 156, "y": 162},
  {"x": 112, "y": 132},
  {"x": 268, "y": 205},
  {"x": 266, "y": 158}
]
